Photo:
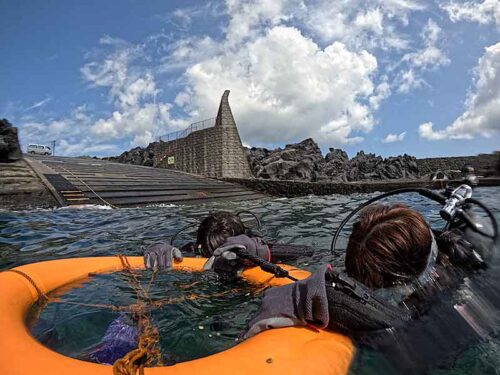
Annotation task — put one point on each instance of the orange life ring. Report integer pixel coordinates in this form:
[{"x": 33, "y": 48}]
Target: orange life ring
[{"x": 286, "y": 350}]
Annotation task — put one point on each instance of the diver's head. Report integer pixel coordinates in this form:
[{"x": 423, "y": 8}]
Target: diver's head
[
  {"x": 215, "y": 229},
  {"x": 467, "y": 169},
  {"x": 389, "y": 244}
]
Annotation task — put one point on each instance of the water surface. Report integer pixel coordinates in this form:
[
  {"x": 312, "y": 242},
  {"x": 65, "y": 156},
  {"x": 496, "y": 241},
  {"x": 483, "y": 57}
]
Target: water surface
[{"x": 215, "y": 319}]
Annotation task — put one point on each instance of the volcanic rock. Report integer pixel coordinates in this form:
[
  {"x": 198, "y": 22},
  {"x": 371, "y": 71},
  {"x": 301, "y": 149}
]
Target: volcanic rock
[
  {"x": 303, "y": 161},
  {"x": 137, "y": 156},
  {"x": 10, "y": 150},
  {"x": 298, "y": 161}
]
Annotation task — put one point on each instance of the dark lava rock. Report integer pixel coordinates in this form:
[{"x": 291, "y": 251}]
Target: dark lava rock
[
  {"x": 10, "y": 150},
  {"x": 303, "y": 161},
  {"x": 336, "y": 154},
  {"x": 137, "y": 156},
  {"x": 298, "y": 161},
  {"x": 372, "y": 167}
]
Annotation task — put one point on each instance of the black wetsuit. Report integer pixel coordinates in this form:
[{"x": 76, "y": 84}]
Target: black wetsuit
[
  {"x": 456, "y": 312},
  {"x": 417, "y": 326},
  {"x": 280, "y": 253}
]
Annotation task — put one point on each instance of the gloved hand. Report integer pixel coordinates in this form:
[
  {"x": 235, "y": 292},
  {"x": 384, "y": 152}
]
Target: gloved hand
[
  {"x": 296, "y": 304},
  {"x": 325, "y": 299},
  {"x": 460, "y": 249},
  {"x": 224, "y": 259},
  {"x": 161, "y": 255}
]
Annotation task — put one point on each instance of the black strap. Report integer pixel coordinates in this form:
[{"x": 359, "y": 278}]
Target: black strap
[{"x": 352, "y": 307}]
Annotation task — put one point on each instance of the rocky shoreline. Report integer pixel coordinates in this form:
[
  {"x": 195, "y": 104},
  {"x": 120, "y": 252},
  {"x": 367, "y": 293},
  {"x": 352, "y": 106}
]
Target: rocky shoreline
[
  {"x": 291, "y": 188},
  {"x": 296, "y": 170},
  {"x": 304, "y": 162}
]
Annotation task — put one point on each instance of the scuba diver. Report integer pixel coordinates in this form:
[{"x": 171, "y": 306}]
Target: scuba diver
[
  {"x": 396, "y": 269},
  {"x": 213, "y": 231}
]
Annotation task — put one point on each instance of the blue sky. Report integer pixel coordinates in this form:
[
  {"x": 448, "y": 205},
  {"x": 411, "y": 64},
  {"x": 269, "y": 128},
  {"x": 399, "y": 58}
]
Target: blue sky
[{"x": 385, "y": 76}]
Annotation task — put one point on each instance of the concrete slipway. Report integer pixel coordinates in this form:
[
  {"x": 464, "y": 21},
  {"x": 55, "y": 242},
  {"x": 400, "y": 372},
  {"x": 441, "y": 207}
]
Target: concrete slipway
[{"x": 75, "y": 181}]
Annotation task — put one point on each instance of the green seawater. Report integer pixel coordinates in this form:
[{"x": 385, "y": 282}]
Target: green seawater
[{"x": 215, "y": 319}]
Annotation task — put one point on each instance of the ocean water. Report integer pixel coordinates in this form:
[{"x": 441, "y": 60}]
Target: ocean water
[{"x": 198, "y": 314}]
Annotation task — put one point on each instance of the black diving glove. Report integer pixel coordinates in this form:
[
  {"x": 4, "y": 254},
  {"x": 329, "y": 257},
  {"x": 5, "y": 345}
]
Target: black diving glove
[
  {"x": 225, "y": 258},
  {"x": 161, "y": 255},
  {"x": 465, "y": 248},
  {"x": 297, "y": 304}
]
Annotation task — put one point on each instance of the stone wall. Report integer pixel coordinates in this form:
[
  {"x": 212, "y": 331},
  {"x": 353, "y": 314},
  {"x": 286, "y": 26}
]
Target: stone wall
[
  {"x": 21, "y": 189},
  {"x": 484, "y": 164},
  {"x": 293, "y": 188},
  {"x": 214, "y": 152}
]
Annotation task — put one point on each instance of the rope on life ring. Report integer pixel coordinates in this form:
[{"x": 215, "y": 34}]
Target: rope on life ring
[{"x": 42, "y": 297}]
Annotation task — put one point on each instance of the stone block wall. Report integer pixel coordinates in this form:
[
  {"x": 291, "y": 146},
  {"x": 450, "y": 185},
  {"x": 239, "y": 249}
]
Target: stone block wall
[
  {"x": 214, "y": 152},
  {"x": 484, "y": 164}
]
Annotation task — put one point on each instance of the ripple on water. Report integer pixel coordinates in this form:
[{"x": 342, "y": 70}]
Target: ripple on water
[{"x": 211, "y": 322}]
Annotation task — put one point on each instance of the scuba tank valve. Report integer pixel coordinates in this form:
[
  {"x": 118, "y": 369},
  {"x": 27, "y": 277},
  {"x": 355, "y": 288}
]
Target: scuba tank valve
[{"x": 458, "y": 196}]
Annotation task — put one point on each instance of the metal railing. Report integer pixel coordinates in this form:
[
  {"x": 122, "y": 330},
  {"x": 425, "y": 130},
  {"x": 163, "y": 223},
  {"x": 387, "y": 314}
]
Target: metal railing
[{"x": 200, "y": 125}]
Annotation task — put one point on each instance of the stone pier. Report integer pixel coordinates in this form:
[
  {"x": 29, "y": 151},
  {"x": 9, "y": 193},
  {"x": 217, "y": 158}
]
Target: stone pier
[{"x": 214, "y": 152}]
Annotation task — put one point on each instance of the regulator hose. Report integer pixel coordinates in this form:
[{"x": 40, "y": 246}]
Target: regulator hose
[
  {"x": 263, "y": 264},
  {"x": 472, "y": 225},
  {"x": 437, "y": 197}
]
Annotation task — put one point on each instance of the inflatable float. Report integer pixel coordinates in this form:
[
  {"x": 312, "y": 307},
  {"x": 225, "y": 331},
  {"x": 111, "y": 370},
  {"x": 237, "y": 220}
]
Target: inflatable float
[{"x": 286, "y": 350}]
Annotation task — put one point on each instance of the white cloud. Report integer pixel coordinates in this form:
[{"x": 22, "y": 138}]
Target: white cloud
[
  {"x": 359, "y": 24},
  {"x": 39, "y": 104},
  {"x": 71, "y": 134},
  {"x": 484, "y": 12},
  {"x": 382, "y": 92},
  {"x": 426, "y": 131},
  {"x": 391, "y": 138},
  {"x": 133, "y": 92},
  {"x": 482, "y": 107},
  {"x": 408, "y": 81},
  {"x": 285, "y": 87},
  {"x": 136, "y": 115},
  {"x": 246, "y": 17},
  {"x": 126, "y": 88},
  {"x": 183, "y": 18},
  {"x": 143, "y": 123},
  {"x": 84, "y": 147},
  {"x": 296, "y": 69},
  {"x": 186, "y": 52},
  {"x": 429, "y": 57}
]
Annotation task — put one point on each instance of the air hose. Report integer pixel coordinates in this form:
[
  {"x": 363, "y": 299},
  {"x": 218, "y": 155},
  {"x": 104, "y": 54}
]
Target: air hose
[
  {"x": 424, "y": 192},
  {"x": 263, "y": 264}
]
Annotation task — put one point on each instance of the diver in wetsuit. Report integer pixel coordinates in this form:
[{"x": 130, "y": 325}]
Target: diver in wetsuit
[
  {"x": 397, "y": 271},
  {"x": 213, "y": 231}
]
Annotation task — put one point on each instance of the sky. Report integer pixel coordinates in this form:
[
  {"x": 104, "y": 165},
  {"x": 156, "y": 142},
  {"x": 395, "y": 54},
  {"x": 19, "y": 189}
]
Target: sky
[{"x": 383, "y": 76}]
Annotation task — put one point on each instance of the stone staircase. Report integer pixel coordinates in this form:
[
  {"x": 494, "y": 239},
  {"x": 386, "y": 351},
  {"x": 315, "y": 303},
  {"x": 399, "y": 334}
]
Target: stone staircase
[{"x": 20, "y": 187}]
